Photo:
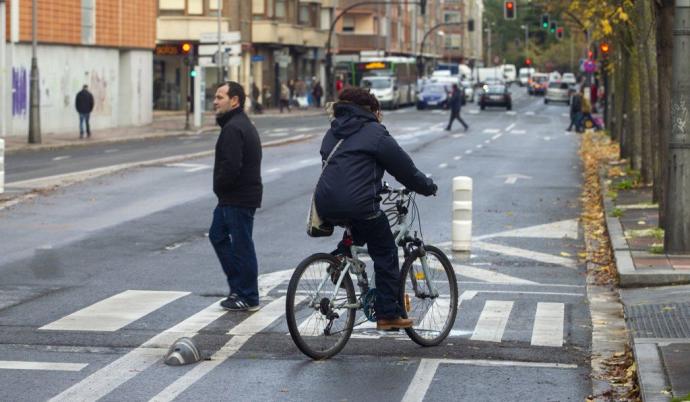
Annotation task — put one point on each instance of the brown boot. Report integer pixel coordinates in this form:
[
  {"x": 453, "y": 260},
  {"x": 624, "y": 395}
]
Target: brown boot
[{"x": 387, "y": 324}]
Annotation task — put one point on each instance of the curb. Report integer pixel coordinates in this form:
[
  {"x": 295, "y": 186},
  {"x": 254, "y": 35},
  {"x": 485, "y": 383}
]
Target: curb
[
  {"x": 628, "y": 277},
  {"x": 64, "y": 180}
]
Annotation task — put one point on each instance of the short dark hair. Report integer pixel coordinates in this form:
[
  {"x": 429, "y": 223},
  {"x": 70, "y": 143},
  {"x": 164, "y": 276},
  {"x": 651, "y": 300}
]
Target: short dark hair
[
  {"x": 360, "y": 97},
  {"x": 235, "y": 89}
]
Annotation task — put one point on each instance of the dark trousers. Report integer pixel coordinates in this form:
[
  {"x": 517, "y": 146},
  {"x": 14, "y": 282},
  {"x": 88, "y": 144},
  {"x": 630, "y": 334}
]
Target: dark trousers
[
  {"x": 231, "y": 237},
  {"x": 84, "y": 120},
  {"x": 317, "y": 100},
  {"x": 284, "y": 103},
  {"x": 455, "y": 115},
  {"x": 376, "y": 234},
  {"x": 574, "y": 121}
]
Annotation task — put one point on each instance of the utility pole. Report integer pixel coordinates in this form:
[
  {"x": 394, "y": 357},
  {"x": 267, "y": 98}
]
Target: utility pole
[
  {"x": 219, "y": 59},
  {"x": 4, "y": 94},
  {"x": 489, "y": 61},
  {"x": 677, "y": 233},
  {"x": 34, "y": 92}
]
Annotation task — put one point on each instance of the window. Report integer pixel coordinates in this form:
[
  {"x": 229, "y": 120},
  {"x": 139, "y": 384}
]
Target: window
[
  {"x": 325, "y": 18},
  {"x": 171, "y": 4},
  {"x": 304, "y": 15},
  {"x": 257, "y": 6},
  {"x": 195, "y": 7},
  {"x": 348, "y": 24},
  {"x": 88, "y": 22},
  {"x": 281, "y": 8},
  {"x": 452, "y": 41},
  {"x": 451, "y": 17},
  {"x": 213, "y": 4}
]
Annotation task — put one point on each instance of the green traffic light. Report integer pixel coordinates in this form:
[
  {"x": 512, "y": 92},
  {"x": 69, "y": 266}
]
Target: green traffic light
[{"x": 192, "y": 73}]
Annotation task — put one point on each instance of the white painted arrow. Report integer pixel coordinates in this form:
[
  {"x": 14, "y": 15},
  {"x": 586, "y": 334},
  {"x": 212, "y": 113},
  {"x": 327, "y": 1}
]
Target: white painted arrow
[{"x": 513, "y": 177}]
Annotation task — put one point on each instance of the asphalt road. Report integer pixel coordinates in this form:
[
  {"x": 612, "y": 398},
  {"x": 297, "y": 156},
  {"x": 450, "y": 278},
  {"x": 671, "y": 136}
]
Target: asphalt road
[{"x": 134, "y": 245}]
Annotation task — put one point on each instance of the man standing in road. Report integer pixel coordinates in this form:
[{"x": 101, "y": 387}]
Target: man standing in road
[
  {"x": 575, "y": 111},
  {"x": 237, "y": 184},
  {"x": 84, "y": 105},
  {"x": 455, "y": 103}
]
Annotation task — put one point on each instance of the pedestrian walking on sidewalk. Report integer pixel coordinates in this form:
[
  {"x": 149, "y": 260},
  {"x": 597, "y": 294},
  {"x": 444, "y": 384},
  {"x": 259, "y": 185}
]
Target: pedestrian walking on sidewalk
[
  {"x": 575, "y": 111},
  {"x": 317, "y": 93},
  {"x": 455, "y": 104},
  {"x": 256, "y": 105},
  {"x": 237, "y": 184},
  {"x": 284, "y": 97},
  {"x": 84, "y": 104}
]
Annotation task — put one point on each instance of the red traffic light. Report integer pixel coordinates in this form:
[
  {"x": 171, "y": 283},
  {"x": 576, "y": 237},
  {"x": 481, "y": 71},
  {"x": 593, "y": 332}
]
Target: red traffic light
[
  {"x": 589, "y": 54},
  {"x": 509, "y": 10},
  {"x": 509, "y": 5},
  {"x": 528, "y": 61}
]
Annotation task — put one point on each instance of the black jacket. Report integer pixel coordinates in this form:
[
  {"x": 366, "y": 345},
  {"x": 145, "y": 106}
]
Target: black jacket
[
  {"x": 84, "y": 101},
  {"x": 349, "y": 186},
  {"x": 455, "y": 102},
  {"x": 237, "y": 169}
]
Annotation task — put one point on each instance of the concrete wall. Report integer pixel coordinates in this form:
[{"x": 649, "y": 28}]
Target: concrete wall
[{"x": 120, "y": 81}]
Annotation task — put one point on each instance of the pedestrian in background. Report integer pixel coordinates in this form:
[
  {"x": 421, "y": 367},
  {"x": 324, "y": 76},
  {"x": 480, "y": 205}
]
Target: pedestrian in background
[
  {"x": 317, "y": 93},
  {"x": 575, "y": 111},
  {"x": 237, "y": 184},
  {"x": 284, "y": 97},
  {"x": 84, "y": 104},
  {"x": 258, "y": 109},
  {"x": 455, "y": 104}
]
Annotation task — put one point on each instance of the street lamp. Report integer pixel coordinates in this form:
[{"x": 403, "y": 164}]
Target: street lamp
[{"x": 34, "y": 92}]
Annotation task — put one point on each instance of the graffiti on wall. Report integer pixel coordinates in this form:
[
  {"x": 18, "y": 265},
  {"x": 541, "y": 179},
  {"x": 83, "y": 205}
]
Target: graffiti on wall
[
  {"x": 98, "y": 86},
  {"x": 20, "y": 93}
]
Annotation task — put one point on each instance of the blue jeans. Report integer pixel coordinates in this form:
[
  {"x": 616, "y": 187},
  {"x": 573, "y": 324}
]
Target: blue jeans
[
  {"x": 231, "y": 237},
  {"x": 84, "y": 120}
]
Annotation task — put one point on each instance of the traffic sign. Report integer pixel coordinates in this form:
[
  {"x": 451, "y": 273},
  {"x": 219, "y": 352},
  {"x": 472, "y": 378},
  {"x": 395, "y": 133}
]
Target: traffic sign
[
  {"x": 225, "y": 37},
  {"x": 209, "y": 50}
]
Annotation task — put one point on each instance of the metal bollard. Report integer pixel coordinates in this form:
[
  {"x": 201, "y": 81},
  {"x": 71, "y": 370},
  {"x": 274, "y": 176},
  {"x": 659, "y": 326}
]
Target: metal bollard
[
  {"x": 462, "y": 213},
  {"x": 2, "y": 166}
]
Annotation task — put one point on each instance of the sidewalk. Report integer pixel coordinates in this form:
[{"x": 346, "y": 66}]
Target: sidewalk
[
  {"x": 164, "y": 124},
  {"x": 658, "y": 318}
]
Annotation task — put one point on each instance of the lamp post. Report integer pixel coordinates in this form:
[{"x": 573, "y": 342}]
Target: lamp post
[{"x": 34, "y": 91}]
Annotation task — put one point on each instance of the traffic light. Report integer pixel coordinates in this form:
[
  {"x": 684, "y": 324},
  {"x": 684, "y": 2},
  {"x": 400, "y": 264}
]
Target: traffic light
[
  {"x": 528, "y": 61},
  {"x": 186, "y": 48},
  {"x": 559, "y": 33},
  {"x": 192, "y": 73},
  {"x": 422, "y": 6},
  {"x": 604, "y": 48},
  {"x": 553, "y": 27},
  {"x": 470, "y": 25},
  {"x": 509, "y": 9},
  {"x": 545, "y": 21}
]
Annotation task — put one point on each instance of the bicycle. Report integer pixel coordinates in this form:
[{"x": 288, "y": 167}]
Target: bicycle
[{"x": 321, "y": 305}]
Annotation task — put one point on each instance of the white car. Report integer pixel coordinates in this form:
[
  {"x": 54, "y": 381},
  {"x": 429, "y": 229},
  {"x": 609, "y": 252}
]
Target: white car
[
  {"x": 569, "y": 78},
  {"x": 469, "y": 91},
  {"x": 554, "y": 76},
  {"x": 557, "y": 91}
]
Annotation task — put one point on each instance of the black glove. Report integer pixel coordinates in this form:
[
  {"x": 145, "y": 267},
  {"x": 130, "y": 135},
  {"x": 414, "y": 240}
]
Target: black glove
[{"x": 433, "y": 189}]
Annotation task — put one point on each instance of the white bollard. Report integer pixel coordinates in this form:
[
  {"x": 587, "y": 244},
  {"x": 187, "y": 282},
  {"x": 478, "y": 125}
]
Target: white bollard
[
  {"x": 2, "y": 166},
  {"x": 462, "y": 213}
]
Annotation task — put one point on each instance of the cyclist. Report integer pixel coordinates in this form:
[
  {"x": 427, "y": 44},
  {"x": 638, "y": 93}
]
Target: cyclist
[{"x": 348, "y": 191}]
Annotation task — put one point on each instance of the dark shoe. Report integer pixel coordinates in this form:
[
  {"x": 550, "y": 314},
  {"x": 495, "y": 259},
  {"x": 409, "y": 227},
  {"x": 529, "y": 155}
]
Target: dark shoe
[
  {"x": 447, "y": 128},
  {"x": 234, "y": 303},
  {"x": 387, "y": 324}
]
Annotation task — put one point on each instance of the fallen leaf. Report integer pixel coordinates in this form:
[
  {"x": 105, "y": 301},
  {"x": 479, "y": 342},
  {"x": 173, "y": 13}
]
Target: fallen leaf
[{"x": 564, "y": 254}]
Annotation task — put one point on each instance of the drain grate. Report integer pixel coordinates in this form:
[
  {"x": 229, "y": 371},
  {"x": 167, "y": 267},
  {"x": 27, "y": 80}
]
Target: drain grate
[{"x": 669, "y": 320}]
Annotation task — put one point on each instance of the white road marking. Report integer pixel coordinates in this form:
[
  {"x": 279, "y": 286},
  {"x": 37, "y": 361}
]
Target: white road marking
[
  {"x": 497, "y": 136},
  {"x": 565, "y": 115},
  {"x": 474, "y": 111},
  {"x": 487, "y": 141},
  {"x": 278, "y": 130},
  {"x": 492, "y": 321},
  {"x": 518, "y": 132},
  {"x": 547, "y": 138},
  {"x": 457, "y": 158},
  {"x": 305, "y": 129},
  {"x": 486, "y": 275},
  {"x": 190, "y": 167},
  {"x": 443, "y": 165},
  {"x": 511, "y": 113},
  {"x": 110, "y": 151},
  {"x": 242, "y": 333},
  {"x": 47, "y": 366},
  {"x": 61, "y": 158},
  {"x": 115, "y": 312},
  {"x": 513, "y": 178},
  {"x": 469, "y": 151},
  {"x": 480, "y": 146},
  {"x": 491, "y": 131},
  {"x": 510, "y": 127},
  {"x": 548, "y": 325},
  {"x": 278, "y": 135},
  {"x": 528, "y": 254},
  {"x": 437, "y": 313},
  {"x": 105, "y": 380},
  {"x": 554, "y": 230},
  {"x": 273, "y": 170},
  {"x": 521, "y": 292},
  {"x": 530, "y": 113},
  {"x": 421, "y": 381},
  {"x": 458, "y": 135}
]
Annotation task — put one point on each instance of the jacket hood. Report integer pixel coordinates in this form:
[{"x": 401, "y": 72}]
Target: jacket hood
[{"x": 349, "y": 119}]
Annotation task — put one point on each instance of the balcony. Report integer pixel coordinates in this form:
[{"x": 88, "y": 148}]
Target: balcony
[
  {"x": 171, "y": 28},
  {"x": 267, "y": 31},
  {"x": 364, "y": 9},
  {"x": 355, "y": 42}
]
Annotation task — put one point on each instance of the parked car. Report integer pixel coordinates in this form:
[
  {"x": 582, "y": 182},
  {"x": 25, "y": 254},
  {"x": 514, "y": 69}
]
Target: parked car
[
  {"x": 469, "y": 90},
  {"x": 569, "y": 78},
  {"x": 557, "y": 91},
  {"x": 495, "y": 95},
  {"x": 537, "y": 85},
  {"x": 433, "y": 96}
]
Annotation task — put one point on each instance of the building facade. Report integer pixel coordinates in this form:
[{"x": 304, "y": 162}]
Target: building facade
[
  {"x": 105, "y": 44},
  {"x": 462, "y": 45},
  {"x": 197, "y": 22}
]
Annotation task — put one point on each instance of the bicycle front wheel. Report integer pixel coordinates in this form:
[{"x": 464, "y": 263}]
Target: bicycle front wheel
[
  {"x": 433, "y": 315},
  {"x": 320, "y": 324}
]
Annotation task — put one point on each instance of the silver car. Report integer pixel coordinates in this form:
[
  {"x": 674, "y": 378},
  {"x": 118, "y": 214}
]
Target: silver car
[{"x": 557, "y": 91}]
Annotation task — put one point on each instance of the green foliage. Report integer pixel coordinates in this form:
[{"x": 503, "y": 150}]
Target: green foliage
[
  {"x": 613, "y": 195},
  {"x": 617, "y": 213},
  {"x": 626, "y": 184},
  {"x": 658, "y": 233},
  {"x": 685, "y": 398},
  {"x": 656, "y": 248}
]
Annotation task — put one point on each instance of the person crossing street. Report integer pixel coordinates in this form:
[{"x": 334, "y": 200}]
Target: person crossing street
[{"x": 455, "y": 104}]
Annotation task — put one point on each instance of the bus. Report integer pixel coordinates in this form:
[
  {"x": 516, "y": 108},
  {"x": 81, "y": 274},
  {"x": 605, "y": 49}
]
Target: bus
[{"x": 393, "y": 80}]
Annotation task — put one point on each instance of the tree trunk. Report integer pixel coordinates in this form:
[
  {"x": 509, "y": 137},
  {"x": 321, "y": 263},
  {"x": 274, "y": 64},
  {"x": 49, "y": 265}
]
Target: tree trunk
[
  {"x": 624, "y": 133},
  {"x": 664, "y": 15},
  {"x": 634, "y": 111},
  {"x": 653, "y": 91},
  {"x": 642, "y": 23}
]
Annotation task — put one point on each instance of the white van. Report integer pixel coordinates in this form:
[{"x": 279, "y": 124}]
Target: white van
[
  {"x": 509, "y": 73},
  {"x": 525, "y": 74}
]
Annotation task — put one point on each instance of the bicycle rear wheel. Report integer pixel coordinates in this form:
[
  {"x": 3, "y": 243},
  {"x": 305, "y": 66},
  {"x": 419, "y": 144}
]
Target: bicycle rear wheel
[
  {"x": 433, "y": 317},
  {"x": 319, "y": 326}
]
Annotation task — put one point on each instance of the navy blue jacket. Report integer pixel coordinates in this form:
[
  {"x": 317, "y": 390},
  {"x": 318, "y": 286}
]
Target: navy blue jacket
[
  {"x": 455, "y": 102},
  {"x": 349, "y": 186}
]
